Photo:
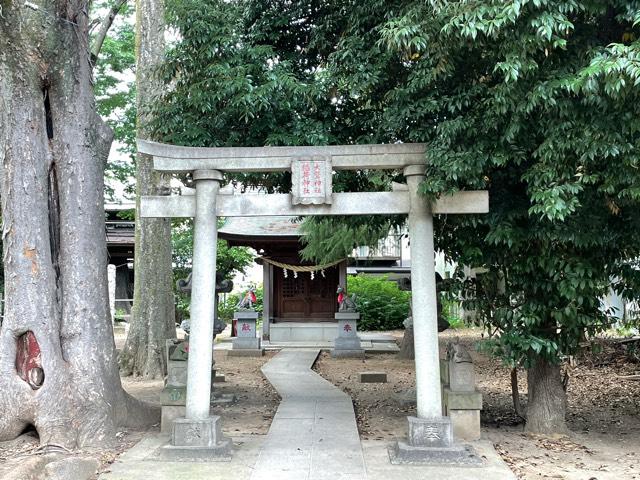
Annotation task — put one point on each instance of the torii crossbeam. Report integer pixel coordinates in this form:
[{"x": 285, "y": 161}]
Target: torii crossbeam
[{"x": 311, "y": 195}]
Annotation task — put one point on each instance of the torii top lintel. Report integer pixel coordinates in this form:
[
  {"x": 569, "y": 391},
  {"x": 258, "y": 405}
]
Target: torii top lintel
[
  {"x": 312, "y": 179},
  {"x": 176, "y": 159}
]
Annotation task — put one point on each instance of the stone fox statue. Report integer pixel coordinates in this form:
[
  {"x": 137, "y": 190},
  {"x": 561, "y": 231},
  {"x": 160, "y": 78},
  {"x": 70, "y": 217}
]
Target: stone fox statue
[
  {"x": 249, "y": 299},
  {"x": 346, "y": 304}
]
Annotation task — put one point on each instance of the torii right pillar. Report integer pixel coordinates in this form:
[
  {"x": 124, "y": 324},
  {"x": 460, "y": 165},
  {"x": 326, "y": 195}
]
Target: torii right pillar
[{"x": 430, "y": 435}]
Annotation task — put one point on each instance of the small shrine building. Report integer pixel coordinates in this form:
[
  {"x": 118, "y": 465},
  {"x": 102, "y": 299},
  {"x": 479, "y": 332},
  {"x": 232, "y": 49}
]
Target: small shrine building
[{"x": 299, "y": 298}]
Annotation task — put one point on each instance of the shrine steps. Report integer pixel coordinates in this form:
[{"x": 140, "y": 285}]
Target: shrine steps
[
  {"x": 303, "y": 332},
  {"x": 321, "y": 335}
]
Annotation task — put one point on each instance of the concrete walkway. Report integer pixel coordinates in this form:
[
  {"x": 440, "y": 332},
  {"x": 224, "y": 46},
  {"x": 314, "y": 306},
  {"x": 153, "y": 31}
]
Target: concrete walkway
[{"x": 313, "y": 435}]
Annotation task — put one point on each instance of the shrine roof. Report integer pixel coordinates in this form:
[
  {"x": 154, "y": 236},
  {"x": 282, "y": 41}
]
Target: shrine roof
[{"x": 264, "y": 227}]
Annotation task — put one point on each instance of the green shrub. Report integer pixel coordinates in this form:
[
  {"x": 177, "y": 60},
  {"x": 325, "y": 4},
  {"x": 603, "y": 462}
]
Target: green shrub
[
  {"x": 451, "y": 312},
  {"x": 228, "y": 306},
  {"x": 382, "y": 305}
]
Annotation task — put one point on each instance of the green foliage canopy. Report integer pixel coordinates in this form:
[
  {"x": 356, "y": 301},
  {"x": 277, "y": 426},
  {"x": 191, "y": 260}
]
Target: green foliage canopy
[
  {"x": 538, "y": 102},
  {"x": 229, "y": 260},
  {"x": 533, "y": 100}
]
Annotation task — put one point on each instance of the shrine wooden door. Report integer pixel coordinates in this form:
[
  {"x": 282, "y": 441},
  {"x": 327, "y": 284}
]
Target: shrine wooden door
[{"x": 302, "y": 299}]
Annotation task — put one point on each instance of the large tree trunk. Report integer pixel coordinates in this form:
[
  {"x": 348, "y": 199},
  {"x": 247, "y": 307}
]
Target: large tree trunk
[
  {"x": 53, "y": 148},
  {"x": 547, "y": 399},
  {"x": 153, "y": 315},
  {"x": 407, "y": 347}
]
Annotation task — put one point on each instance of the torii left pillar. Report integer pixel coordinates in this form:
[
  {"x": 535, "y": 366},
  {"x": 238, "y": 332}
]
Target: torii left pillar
[{"x": 199, "y": 434}]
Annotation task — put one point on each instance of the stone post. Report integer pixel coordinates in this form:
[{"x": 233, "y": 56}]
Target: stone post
[
  {"x": 199, "y": 435},
  {"x": 111, "y": 278},
  {"x": 430, "y": 434},
  {"x": 423, "y": 299},
  {"x": 202, "y": 294},
  {"x": 267, "y": 277},
  {"x": 342, "y": 274}
]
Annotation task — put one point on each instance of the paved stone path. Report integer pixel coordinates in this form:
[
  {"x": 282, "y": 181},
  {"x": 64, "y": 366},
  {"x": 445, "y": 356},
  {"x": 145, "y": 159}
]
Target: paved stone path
[{"x": 313, "y": 435}]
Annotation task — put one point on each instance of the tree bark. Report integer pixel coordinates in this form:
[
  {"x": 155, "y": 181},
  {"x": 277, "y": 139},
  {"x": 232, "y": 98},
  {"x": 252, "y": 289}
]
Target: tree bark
[
  {"x": 515, "y": 394},
  {"x": 153, "y": 315},
  {"x": 547, "y": 400},
  {"x": 407, "y": 347},
  {"x": 53, "y": 147}
]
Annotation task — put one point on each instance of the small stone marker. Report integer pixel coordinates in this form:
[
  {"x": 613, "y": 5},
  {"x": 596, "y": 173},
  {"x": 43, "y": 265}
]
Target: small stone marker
[{"x": 373, "y": 377}]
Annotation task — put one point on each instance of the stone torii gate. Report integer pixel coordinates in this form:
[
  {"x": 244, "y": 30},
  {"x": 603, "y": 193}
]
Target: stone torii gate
[{"x": 311, "y": 169}]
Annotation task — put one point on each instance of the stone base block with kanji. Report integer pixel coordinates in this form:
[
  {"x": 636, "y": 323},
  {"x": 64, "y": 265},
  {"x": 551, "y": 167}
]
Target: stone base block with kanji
[
  {"x": 430, "y": 441},
  {"x": 247, "y": 338},
  {"x": 463, "y": 455},
  {"x": 430, "y": 432},
  {"x": 197, "y": 440}
]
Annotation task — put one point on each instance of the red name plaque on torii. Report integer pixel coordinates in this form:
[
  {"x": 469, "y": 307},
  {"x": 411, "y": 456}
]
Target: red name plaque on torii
[{"x": 311, "y": 179}]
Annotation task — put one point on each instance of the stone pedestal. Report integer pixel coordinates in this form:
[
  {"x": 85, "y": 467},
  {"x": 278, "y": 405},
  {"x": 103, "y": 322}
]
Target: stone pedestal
[
  {"x": 460, "y": 399},
  {"x": 197, "y": 440},
  {"x": 347, "y": 343},
  {"x": 463, "y": 407},
  {"x": 247, "y": 342},
  {"x": 177, "y": 373},
  {"x": 173, "y": 397},
  {"x": 430, "y": 442}
]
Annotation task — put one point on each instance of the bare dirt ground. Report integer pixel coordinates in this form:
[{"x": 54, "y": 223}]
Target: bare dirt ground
[{"x": 603, "y": 411}]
